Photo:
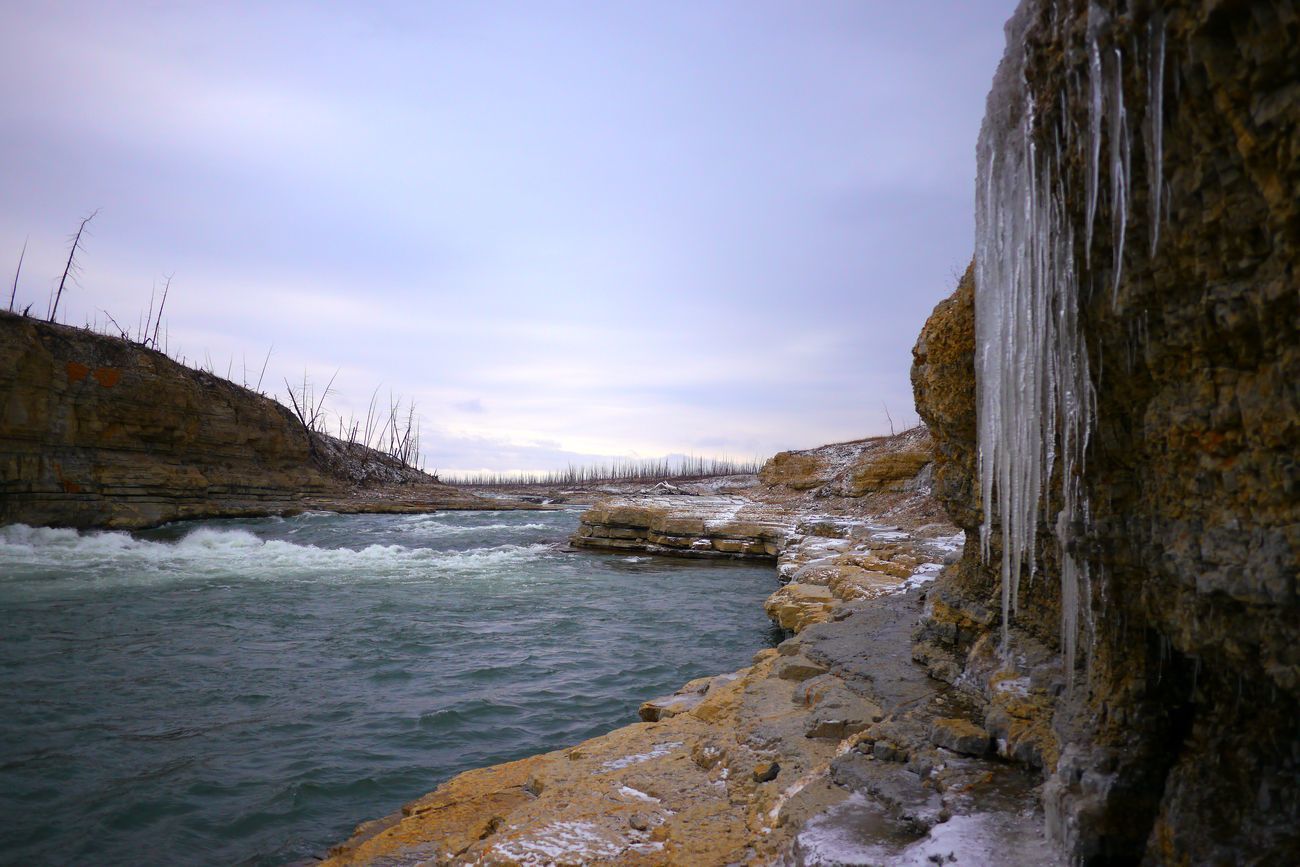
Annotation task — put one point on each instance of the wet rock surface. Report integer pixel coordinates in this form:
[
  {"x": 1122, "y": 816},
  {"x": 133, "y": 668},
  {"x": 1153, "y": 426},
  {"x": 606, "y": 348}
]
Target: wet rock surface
[{"x": 1171, "y": 737}]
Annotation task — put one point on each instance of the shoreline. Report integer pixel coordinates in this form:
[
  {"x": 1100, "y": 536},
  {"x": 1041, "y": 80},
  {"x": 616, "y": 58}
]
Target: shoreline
[{"x": 773, "y": 760}]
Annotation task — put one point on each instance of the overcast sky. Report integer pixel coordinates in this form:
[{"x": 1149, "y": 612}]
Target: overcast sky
[{"x": 565, "y": 229}]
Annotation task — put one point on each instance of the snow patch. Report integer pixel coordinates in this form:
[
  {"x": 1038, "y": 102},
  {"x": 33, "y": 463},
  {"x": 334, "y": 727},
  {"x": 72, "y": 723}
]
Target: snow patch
[
  {"x": 658, "y": 751},
  {"x": 858, "y": 832},
  {"x": 982, "y": 838},
  {"x": 580, "y": 841},
  {"x": 629, "y": 792}
]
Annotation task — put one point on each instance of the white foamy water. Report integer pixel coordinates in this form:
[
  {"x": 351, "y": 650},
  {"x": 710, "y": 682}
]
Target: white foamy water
[
  {"x": 437, "y": 525},
  {"x": 106, "y": 558},
  {"x": 245, "y": 691}
]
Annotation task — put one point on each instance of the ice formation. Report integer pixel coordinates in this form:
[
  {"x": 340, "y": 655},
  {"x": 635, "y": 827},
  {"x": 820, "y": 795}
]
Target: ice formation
[{"x": 1034, "y": 387}]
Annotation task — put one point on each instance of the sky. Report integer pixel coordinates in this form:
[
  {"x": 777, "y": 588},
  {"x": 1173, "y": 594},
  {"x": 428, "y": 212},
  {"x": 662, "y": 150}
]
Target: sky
[{"x": 568, "y": 231}]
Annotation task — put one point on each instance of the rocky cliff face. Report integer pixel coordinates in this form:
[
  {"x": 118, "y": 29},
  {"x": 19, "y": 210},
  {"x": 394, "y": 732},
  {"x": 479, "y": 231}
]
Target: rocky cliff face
[
  {"x": 1124, "y": 358},
  {"x": 99, "y": 432}
]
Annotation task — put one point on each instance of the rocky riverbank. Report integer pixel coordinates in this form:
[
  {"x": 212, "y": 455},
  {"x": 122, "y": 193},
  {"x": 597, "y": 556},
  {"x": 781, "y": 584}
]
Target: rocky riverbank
[
  {"x": 835, "y": 740},
  {"x": 100, "y": 432}
]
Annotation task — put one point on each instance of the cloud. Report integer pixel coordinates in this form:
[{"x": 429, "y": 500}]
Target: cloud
[{"x": 710, "y": 228}]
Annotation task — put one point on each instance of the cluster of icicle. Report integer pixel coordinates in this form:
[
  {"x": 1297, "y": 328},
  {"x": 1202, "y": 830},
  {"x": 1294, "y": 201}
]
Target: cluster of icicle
[{"x": 1036, "y": 404}]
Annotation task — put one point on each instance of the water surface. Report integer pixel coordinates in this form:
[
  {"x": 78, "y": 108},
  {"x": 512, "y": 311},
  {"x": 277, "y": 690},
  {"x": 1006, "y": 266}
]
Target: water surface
[{"x": 246, "y": 691}]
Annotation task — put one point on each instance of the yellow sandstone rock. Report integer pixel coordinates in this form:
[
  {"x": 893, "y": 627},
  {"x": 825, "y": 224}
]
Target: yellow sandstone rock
[
  {"x": 713, "y": 785},
  {"x": 801, "y": 472},
  {"x": 886, "y": 471},
  {"x": 796, "y": 606}
]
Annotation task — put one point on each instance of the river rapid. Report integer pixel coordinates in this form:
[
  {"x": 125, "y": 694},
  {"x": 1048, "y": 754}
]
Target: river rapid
[{"x": 246, "y": 691}]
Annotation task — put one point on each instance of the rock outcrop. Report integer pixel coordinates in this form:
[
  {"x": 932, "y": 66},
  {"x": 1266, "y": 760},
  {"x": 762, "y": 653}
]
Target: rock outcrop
[
  {"x": 1163, "y": 147},
  {"x": 705, "y": 526},
  {"x": 796, "y": 494},
  {"x": 96, "y": 431},
  {"x": 852, "y": 469}
]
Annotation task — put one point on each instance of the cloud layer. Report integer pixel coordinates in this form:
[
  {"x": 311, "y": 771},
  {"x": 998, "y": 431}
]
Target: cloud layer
[{"x": 564, "y": 229}]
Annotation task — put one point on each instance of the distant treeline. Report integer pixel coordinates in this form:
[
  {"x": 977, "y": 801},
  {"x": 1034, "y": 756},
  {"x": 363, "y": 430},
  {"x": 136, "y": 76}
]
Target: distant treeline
[{"x": 651, "y": 470}]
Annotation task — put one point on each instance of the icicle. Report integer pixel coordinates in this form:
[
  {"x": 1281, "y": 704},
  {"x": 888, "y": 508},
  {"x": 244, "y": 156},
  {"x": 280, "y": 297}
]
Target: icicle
[
  {"x": 1117, "y": 127},
  {"x": 1097, "y": 18},
  {"x": 1155, "y": 111},
  {"x": 1034, "y": 386}
]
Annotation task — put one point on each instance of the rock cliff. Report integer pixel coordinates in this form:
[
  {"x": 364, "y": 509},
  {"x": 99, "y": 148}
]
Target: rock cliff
[
  {"x": 1124, "y": 360},
  {"x": 96, "y": 431}
]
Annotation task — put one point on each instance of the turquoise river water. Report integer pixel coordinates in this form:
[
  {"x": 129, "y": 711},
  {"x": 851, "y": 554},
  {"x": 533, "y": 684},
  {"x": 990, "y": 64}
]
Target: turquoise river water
[{"x": 246, "y": 691}]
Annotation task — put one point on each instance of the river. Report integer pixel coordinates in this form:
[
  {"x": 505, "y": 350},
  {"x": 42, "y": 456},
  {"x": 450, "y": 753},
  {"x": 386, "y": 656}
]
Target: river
[{"x": 246, "y": 691}]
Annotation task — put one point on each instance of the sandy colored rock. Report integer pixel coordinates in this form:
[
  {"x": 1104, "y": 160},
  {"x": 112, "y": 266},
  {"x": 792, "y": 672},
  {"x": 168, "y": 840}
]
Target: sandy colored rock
[
  {"x": 797, "y": 470},
  {"x": 96, "y": 431},
  {"x": 887, "y": 471},
  {"x": 697, "y": 526},
  {"x": 796, "y": 606},
  {"x": 853, "y": 582}
]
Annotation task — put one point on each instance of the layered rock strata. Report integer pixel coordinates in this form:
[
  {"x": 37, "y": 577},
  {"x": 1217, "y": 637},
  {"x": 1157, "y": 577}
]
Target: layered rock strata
[
  {"x": 888, "y": 477},
  {"x": 1141, "y": 162},
  {"x": 684, "y": 526},
  {"x": 851, "y": 470},
  {"x": 96, "y": 431}
]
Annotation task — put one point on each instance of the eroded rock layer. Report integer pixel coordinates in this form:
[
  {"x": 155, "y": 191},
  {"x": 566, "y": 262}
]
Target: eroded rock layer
[
  {"x": 887, "y": 477},
  {"x": 684, "y": 526},
  {"x": 100, "y": 432},
  {"x": 1153, "y": 152}
]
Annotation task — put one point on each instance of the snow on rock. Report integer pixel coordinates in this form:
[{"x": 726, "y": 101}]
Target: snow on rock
[
  {"x": 562, "y": 843},
  {"x": 658, "y": 751}
]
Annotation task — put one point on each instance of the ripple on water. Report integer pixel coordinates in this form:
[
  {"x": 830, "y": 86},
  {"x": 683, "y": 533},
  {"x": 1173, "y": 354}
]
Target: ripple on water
[{"x": 246, "y": 691}]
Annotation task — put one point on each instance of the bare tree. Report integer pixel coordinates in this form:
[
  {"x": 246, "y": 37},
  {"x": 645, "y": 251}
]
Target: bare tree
[
  {"x": 148, "y": 316},
  {"x": 14, "y": 292},
  {"x": 371, "y": 419},
  {"x": 306, "y": 406},
  {"x": 70, "y": 266},
  {"x": 166, "y": 288},
  {"x": 264, "y": 363},
  {"x": 126, "y": 335}
]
